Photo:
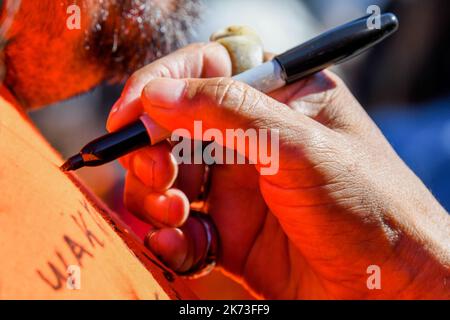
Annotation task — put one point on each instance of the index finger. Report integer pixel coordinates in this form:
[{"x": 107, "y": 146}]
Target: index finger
[{"x": 200, "y": 60}]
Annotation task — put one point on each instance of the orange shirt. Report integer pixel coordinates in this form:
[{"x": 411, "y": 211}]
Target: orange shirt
[{"x": 50, "y": 224}]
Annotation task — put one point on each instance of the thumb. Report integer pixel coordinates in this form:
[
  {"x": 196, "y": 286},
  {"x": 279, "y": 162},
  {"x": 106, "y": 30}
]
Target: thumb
[{"x": 222, "y": 104}]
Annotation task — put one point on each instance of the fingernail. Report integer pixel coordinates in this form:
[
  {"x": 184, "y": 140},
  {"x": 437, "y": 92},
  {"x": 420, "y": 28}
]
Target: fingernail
[
  {"x": 165, "y": 92},
  {"x": 113, "y": 114},
  {"x": 116, "y": 107}
]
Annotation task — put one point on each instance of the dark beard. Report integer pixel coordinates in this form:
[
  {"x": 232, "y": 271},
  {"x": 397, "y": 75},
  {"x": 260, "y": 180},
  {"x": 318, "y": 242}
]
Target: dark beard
[{"x": 128, "y": 34}]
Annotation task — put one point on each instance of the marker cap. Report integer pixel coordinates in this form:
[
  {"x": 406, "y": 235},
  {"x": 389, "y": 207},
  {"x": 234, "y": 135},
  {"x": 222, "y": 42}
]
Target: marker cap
[{"x": 336, "y": 45}]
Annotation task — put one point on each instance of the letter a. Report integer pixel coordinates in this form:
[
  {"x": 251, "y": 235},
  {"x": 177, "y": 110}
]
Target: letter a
[
  {"x": 74, "y": 20},
  {"x": 74, "y": 278},
  {"x": 374, "y": 280},
  {"x": 374, "y": 21}
]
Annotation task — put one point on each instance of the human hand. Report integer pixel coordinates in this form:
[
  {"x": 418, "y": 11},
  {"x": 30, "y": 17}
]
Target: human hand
[{"x": 341, "y": 201}]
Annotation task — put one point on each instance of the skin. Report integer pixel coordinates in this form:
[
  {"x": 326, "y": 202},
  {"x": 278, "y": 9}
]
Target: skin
[
  {"x": 334, "y": 208},
  {"x": 50, "y": 220},
  {"x": 47, "y": 62},
  {"x": 341, "y": 201}
]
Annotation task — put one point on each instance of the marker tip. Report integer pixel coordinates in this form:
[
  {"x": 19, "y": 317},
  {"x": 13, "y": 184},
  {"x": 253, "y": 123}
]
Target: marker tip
[{"x": 73, "y": 163}]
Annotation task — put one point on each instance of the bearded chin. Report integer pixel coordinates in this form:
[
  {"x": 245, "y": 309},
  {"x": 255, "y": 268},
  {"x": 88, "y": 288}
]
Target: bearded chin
[{"x": 127, "y": 34}]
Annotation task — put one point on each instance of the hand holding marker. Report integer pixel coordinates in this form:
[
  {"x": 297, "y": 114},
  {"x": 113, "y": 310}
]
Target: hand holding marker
[{"x": 330, "y": 48}]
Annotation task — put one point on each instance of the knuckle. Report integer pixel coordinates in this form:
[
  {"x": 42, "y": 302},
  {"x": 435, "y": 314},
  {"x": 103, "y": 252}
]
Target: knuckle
[
  {"x": 223, "y": 92},
  {"x": 226, "y": 93},
  {"x": 137, "y": 81},
  {"x": 134, "y": 79}
]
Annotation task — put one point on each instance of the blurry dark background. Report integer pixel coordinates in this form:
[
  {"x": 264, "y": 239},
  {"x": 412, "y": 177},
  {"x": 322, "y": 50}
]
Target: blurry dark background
[{"x": 404, "y": 84}]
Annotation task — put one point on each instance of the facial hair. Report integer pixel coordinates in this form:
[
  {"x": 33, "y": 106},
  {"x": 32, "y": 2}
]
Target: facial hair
[{"x": 128, "y": 34}]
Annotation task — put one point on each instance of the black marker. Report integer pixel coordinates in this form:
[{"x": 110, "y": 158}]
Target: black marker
[{"x": 332, "y": 47}]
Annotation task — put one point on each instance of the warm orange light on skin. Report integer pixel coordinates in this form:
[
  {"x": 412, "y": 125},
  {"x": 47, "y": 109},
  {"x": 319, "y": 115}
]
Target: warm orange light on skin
[
  {"x": 47, "y": 62},
  {"x": 50, "y": 220}
]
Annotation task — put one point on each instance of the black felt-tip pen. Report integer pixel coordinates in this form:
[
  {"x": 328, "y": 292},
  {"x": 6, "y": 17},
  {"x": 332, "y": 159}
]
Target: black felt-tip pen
[{"x": 329, "y": 48}]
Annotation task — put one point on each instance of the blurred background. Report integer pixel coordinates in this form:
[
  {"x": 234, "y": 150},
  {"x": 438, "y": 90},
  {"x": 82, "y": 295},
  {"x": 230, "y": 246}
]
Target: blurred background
[{"x": 404, "y": 84}]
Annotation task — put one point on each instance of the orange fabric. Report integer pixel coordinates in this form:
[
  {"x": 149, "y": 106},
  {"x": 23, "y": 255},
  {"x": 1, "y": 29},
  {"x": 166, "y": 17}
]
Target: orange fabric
[{"x": 48, "y": 221}]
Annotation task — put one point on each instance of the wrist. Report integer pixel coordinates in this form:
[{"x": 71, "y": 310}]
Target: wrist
[{"x": 419, "y": 266}]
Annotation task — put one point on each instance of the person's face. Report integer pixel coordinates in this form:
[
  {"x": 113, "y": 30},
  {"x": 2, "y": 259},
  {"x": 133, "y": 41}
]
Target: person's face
[{"x": 46, "y": 61}]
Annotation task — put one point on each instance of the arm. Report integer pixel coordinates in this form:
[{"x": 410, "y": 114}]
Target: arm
[{"x": 50, "y": 221}]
